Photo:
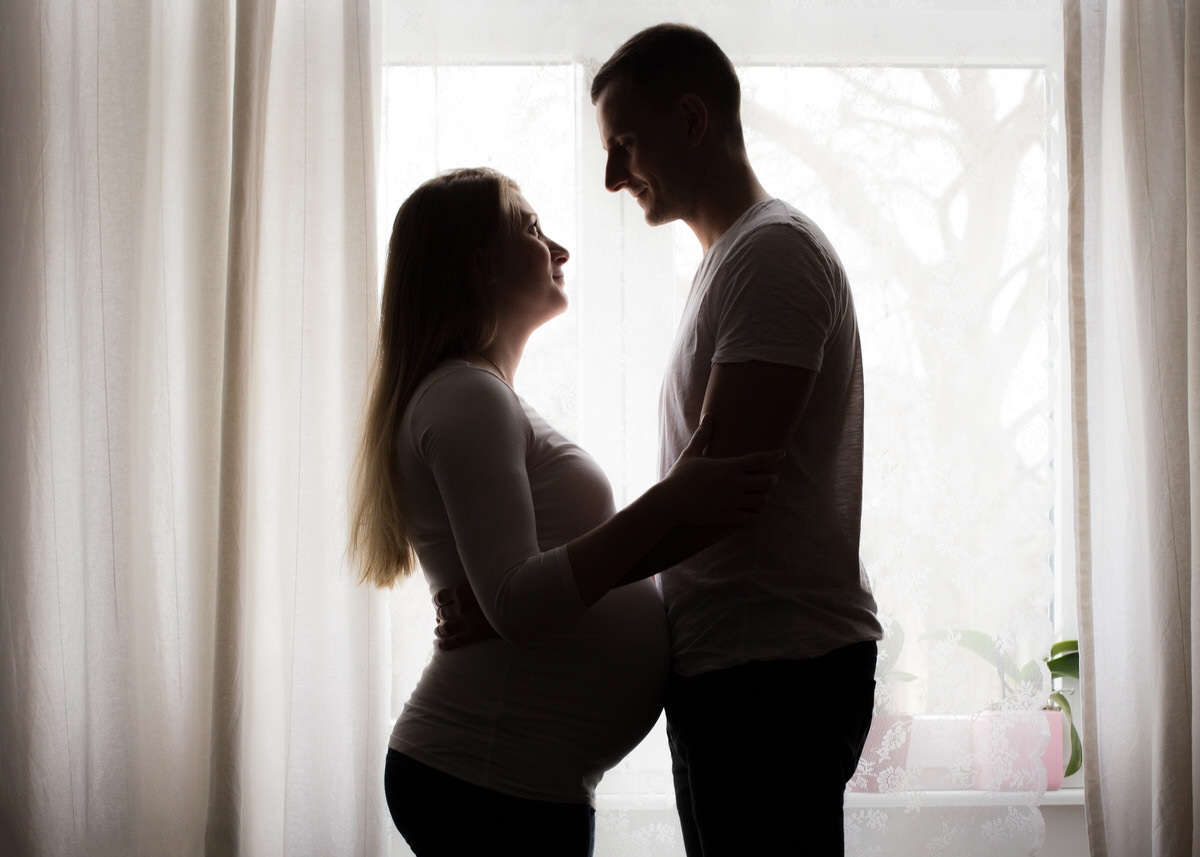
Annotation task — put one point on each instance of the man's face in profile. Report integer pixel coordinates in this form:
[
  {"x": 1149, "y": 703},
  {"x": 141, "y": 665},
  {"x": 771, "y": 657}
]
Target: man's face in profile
[{"x": 645, "y": 152}]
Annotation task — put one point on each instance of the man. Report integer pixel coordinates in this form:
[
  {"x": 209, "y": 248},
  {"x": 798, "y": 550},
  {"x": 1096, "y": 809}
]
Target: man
[{"x": 773, "y": 627}]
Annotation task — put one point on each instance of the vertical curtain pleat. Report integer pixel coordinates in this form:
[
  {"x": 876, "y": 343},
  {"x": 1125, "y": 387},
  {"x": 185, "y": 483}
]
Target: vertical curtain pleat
[
  {"x": 1191, "y": 149},
  {"x": 22, "y": 372},
  {"x": 1132, "y": 80},
  {"x": 1080, "y": 50},
  {"x": 251, "y": 74},
  {"x": 189, "y": 276},
  {"x": 1154, "y": 106}
]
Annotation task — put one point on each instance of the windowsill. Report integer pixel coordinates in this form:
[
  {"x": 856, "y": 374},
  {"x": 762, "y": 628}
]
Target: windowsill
[
  {"x": 1059, "y": 797},
  {"x": 857, "y": 800}
]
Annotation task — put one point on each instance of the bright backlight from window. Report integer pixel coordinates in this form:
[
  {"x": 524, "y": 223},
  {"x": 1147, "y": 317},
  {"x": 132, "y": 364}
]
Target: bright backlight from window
[{"x": 937, "y": 187}]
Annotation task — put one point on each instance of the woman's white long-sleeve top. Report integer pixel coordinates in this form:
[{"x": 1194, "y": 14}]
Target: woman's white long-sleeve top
[{"x": 492, "y": 495}]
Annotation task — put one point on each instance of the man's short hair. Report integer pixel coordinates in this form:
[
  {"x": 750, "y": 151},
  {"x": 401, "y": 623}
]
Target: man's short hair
[{"x": 666, "y": 61}]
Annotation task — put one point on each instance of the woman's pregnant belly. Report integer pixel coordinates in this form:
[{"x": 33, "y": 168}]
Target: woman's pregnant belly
[{"x": 545, "y": 719}]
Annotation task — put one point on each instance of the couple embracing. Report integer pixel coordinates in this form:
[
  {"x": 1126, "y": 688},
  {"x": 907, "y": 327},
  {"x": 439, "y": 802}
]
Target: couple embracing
[{"x": 557, "y": 650}]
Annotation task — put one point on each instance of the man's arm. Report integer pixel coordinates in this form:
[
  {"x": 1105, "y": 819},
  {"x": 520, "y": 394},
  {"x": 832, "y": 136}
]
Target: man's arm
[{"x": 754, "y": 406}]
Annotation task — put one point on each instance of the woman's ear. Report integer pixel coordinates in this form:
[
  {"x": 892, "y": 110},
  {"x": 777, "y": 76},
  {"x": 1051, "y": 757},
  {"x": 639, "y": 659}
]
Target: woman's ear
[{"x": 694, "y": 114}]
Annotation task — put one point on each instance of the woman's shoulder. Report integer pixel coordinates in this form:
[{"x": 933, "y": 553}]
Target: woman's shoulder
[{"x": 463, "y": 391}]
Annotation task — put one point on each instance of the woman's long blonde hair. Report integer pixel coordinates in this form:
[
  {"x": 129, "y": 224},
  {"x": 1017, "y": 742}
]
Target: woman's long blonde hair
[{"x": 435, "y": 305}]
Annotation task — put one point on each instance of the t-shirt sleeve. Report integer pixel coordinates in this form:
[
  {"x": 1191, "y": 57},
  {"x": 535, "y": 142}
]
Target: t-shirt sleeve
[
  {"x": 774, "y": 300},
  {"x": 473, "y": 434}
]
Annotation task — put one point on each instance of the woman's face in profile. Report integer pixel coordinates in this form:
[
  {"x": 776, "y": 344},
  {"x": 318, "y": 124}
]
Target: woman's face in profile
[{"x": 528, "y": 273}]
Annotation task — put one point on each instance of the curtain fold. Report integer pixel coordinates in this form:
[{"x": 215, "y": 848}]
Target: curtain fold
[
  {"x": 1134, "y": 187},
  {"x": 19, "y": 366},
  {"x": 189, "y": 288},
  {"x": 251, "y": 75}
]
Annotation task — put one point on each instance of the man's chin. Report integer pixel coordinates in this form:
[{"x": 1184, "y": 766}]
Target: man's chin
[
  {"x": 654, "y": 212},
  {"x": 656, "y": 216}
]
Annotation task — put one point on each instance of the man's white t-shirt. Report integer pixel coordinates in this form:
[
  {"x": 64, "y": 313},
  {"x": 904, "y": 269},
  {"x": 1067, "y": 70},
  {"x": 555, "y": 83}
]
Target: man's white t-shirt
[{"x": 790, "y": 585}]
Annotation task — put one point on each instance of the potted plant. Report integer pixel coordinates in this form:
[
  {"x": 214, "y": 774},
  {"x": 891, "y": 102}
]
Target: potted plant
[
  {"x": 1063, "y": 662},
  {"x": 1007, "y": 735}
]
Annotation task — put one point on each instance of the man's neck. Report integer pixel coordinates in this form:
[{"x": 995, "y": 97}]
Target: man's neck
[{"x": 724, "y": 201}]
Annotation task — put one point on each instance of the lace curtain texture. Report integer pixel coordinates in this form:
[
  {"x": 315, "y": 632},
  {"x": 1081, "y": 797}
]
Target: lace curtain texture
[{"x": 189, "y": 265}]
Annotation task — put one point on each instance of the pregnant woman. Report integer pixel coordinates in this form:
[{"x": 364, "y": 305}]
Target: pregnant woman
[{"x": 501, "y": 745}]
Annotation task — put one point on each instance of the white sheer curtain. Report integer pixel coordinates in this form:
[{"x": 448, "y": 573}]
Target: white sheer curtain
[
  {"x": 1134, "y": 71},
  {"x": 925, "y": 138},
  {"x": 188, "y": 269}
]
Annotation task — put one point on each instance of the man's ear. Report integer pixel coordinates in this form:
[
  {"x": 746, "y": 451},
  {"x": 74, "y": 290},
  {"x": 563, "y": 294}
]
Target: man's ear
[
  {"x": 694, "y": 113},
  {"x": 478, "y": 268}
]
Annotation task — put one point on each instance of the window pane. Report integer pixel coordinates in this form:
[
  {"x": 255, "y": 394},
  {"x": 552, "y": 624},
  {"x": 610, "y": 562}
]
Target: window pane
[
  {"x": 933, "y": 185},
  {"x": 938, "y": 188}
]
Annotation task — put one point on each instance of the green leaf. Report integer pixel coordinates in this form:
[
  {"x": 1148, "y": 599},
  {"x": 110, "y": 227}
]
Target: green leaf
[
  {"x": 1064, "y": 665},
  {"x": 1064, "y": 647},
  {"x": 1076, "y": 760}
]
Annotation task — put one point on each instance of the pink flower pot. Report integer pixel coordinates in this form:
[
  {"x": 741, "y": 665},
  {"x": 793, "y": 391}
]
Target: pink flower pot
[{"x": 1009, "y": 750}]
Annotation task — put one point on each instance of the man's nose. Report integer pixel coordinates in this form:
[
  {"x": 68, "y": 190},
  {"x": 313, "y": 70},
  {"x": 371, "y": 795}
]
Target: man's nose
[{"x": 615, "y": 174}]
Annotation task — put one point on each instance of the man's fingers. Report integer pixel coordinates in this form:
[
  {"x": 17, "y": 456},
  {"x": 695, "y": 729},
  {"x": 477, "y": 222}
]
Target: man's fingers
[
  {"x": 447, "y": 644},
  {"x": 449, "y": 610},
  {"x": 456, "y": 600},
  {"x": 460, "y": 619},
  {"x": 455, "y": 636}
]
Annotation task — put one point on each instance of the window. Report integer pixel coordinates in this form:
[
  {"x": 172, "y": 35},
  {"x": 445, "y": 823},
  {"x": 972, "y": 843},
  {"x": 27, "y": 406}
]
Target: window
[{"x": 926, "y": 143}]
